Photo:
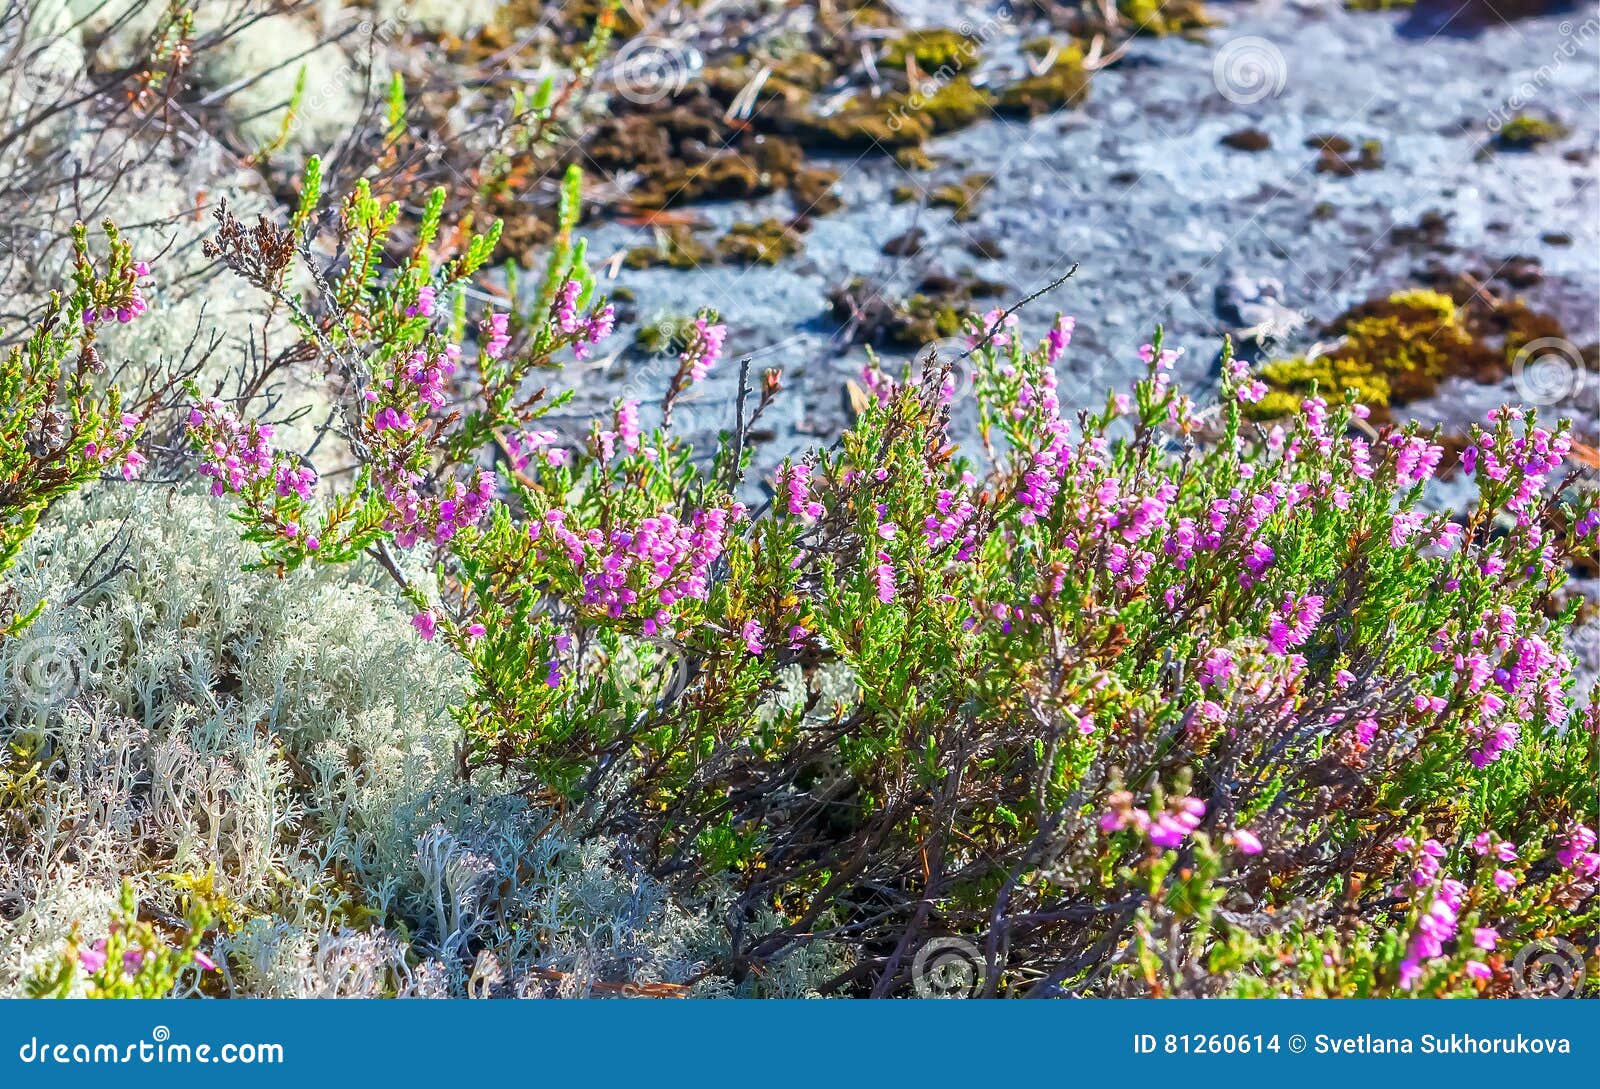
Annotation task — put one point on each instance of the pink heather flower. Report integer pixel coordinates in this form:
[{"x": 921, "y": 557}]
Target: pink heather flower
[
  {"x": 1166, "y": 833},
  {"x": 994, "y": 324},
  {"x": 1256, "y": 564},
  {"x": 234, "y": 455},
  {"x": 1295, "y": 622},
  {"x": 883, "y": 575},
  {"x": 1058, "y": 338},
  {"x": 1485, "y": 937},
  {"x": 521, "y": 447},
  {"x": 300, "y": 481},
  {"x": 704, "y": 348},
  {"x": 1217, "y": 669},
  {"x": 494, "y": 335},
  {"x": 564, "y": 310},
  {"x": 888, "y": 530},
  {"x": 1410, "y": 973},
  {"x": 628, "y": 425},
  {"x": 426, "y": 625},
  {"x": 1505, "y": 880},
  {"x": 1578, "y": 854},
  {"x": 1246, "y": 841},
  {"x": 93, "y": 959},
  {"x": 1479, "y": 970},
  {"x": 597, "y": 328},
  {"x": 206, "y": 963},
  {"x": 476, "y": 630},
  {"x": 133, "y": 465},
  {"x": 751, "y": 634},
  {"x": 424, "y": 305},
  {"x": 793, "y": 485}
]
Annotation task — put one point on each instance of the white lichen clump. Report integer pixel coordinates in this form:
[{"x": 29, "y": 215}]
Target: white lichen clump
[{"x": 168, "y": 715}]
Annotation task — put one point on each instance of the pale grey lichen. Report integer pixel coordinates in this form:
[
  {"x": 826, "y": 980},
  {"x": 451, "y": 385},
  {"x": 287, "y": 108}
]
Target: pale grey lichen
[{"x": 292, "y": 736}]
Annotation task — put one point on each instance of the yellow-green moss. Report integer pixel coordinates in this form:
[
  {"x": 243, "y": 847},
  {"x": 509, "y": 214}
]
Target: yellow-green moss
[
  {"x": 1393, "y": 350},
  {"x": 663, "y": 335},
  {"x": 1527, "y": 130},
  {"x": 764, "y": 243},
  {"x": 955, "y": 105},
  {"x": 1161, "y": 17},
  {"x": 962, "y": 196},
  {"x": 933, "y": 49},
  {"x": 676, "y": 247},
  {"x": 1064, "y": 83}
]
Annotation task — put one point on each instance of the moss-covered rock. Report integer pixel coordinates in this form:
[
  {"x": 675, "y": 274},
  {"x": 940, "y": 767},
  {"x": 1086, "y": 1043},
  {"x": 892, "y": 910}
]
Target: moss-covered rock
[
  {"x": 1342, "y": 157},
  {"x": 1158, "y": 18},
  {"x": 1398, "y": 348},
  {"x": 1064, "y": 83},
  {"x": 676, "y": 247},
  {"x": 764, "y": 243},
  {"x": 939, "y": 308},
  {"x": 960, "y": 197},
  {"x": 933, "y": 49},
  {"x": 812, "y": 190},
  {"x": 1526, "y": 131}
]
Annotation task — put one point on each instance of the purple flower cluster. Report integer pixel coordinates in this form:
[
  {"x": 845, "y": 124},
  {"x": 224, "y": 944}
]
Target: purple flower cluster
[
  {"x": 126, "y": 303},
  {"x": 793, "y": 487},
  {"x": 704, "y": 348},
  {"x": 234, "y": 454},
  {"x": 583, "y": 332},
  {"x": 1166, "y": 829},
  {"x": 653, "y": 565},
  {"x": 132, "y": 462}
]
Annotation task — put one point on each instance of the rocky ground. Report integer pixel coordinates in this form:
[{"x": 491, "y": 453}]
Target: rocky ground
[{"x": 1185, "y": 190}]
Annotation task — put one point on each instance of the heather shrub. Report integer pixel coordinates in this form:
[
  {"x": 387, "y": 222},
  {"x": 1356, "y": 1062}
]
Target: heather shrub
[
  {"x": 63, "y": 426},
  {"x": 285, "y": 745},
  {"x": 1113, "y": 695}
]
